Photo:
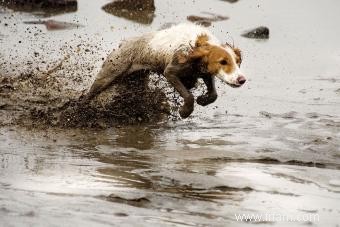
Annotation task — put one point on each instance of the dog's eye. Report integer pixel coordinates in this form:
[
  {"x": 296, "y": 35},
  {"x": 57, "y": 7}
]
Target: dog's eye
[{"x": 223, "y": 62}]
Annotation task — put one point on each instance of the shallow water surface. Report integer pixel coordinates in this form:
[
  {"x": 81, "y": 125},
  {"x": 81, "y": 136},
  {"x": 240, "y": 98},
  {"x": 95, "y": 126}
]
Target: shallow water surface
[{"x": 271, "y": 147}]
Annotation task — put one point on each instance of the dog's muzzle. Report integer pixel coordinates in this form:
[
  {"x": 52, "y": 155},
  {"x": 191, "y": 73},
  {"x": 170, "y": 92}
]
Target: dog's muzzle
[{"x": 235, "y": 79}]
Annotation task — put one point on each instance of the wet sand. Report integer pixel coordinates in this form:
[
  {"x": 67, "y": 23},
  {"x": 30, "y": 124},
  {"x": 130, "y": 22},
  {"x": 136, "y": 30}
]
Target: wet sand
[{"x": 272, "y": 146}]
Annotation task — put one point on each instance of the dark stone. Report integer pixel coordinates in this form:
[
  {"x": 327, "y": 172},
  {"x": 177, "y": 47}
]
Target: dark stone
[
  {"x": 230, "y": 1},
  {"x": 47, "y": 7},
  {"x": 141, "y": 11},
  {"x": 206, "y": 20},
  {"x": 257, "y": 33}
]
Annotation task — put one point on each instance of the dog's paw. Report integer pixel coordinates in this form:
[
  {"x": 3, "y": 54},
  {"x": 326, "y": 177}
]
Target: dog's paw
[
  {"x": 185, "y": 111},
  {"x": 204, "y": 100}
]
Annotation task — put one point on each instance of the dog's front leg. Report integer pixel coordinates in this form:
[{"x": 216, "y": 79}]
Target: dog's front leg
[
  {"x": 211, "y": 94},
  {"x": 172, "y": 74}
]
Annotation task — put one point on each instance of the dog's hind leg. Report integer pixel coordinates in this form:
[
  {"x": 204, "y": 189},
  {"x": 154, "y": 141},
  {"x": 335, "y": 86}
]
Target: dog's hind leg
[{"x": 117, "y": 64}]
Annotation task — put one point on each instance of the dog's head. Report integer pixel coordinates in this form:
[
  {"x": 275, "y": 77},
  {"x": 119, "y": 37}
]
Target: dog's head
[{"x": 222, "y": 61}]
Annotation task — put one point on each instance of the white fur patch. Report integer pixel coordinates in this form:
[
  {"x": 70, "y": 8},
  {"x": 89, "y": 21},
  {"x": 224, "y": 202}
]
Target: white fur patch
[
  {"x": 229, "y": 78},
  {"x": 178, "y": 36}
]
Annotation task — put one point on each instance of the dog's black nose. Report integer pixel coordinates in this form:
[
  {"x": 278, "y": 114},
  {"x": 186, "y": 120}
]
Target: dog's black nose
[{"x": 241, "y": 79}]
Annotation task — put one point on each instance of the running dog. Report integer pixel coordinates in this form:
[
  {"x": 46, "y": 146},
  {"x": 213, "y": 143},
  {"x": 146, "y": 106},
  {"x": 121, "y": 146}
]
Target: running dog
[{"x": 182, "y": 54}]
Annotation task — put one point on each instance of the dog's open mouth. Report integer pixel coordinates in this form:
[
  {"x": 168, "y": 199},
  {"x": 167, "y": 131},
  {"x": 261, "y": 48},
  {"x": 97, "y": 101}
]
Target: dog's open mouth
[{"x": 234, "y": 85}]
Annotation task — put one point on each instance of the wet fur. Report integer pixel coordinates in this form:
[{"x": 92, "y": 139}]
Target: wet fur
[{"x": 182, "y": 59}]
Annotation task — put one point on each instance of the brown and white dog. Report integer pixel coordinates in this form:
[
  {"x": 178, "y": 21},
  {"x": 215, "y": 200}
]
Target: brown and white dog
[{"x": 182, "y": 53}]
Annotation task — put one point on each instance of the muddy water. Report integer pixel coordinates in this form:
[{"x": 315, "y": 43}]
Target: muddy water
[{"x": 271, "y": 147}]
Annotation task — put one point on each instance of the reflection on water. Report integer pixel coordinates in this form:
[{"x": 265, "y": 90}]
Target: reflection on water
[
  {"x": 142, "y": 138},
  {"x": 164, "y": 174},
  {"x": 141, "y": 11}
]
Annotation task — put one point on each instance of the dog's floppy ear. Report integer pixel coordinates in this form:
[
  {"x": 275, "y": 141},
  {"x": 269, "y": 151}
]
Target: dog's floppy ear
[
  {"x": 238, "y": 54},
  {"x": 195, "y": 54},
  {"x": 198, "y": 52}
]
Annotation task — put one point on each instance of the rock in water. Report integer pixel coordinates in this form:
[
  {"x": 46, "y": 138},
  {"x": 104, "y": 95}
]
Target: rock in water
[
  {"x": 257, "y": 33},
  {"x": 44, "y": 3},
  {"x": 206, "y": 20},
  {"x": 140, "y": 11},
  {"x": 230, "y": 1},
  {"x": 45, "y": 7}
]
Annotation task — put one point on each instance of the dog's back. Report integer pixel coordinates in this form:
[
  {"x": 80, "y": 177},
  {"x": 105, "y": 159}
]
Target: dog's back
[
  {"x": 168, "y": 40},
  {"x": 182, "y": 36},
  {"x": 156, "y": 49}
]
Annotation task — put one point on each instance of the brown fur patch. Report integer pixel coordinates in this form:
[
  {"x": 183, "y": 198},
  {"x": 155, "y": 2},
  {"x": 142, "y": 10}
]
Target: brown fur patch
[
  {"x": 181, "y": 58},
  {"x": 238, "y": 56},
  {"x": 202, "y": 40}
]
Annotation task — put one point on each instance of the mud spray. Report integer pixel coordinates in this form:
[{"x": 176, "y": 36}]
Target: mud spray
[
  {"x": 50, "y": 97},
  {"x": 40, "y": 100}
]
